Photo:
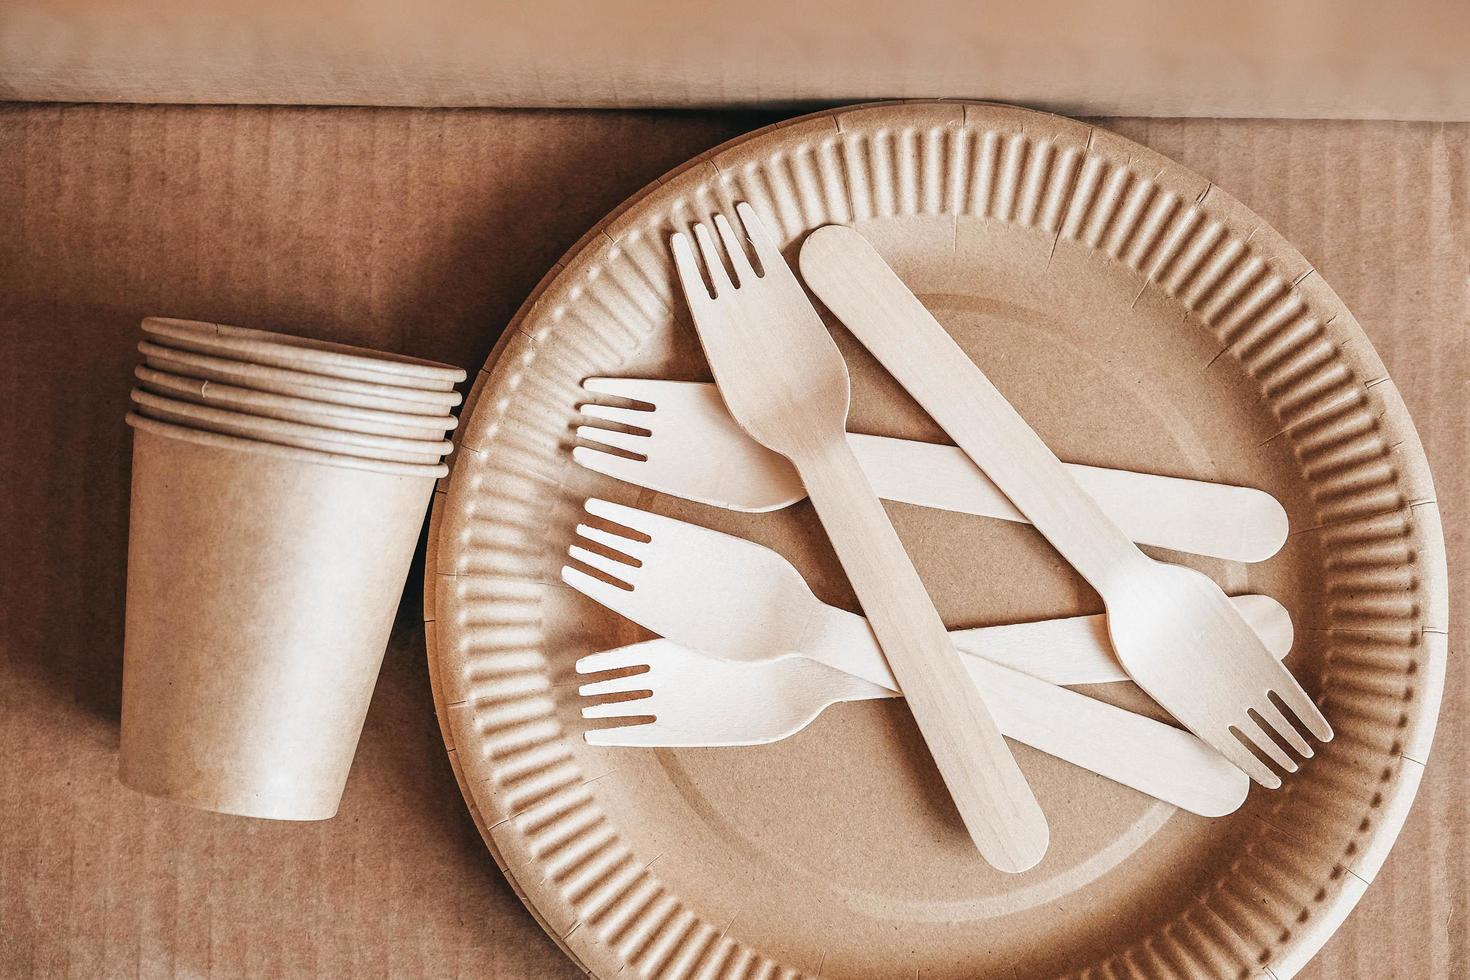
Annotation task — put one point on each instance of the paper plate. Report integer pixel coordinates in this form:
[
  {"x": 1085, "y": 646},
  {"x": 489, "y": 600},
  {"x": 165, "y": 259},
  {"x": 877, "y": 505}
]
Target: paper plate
[{"x": 1139, "y": 318}]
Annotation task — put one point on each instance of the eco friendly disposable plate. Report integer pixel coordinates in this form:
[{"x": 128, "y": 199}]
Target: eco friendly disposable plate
[{"x": 1139, "y": 318}]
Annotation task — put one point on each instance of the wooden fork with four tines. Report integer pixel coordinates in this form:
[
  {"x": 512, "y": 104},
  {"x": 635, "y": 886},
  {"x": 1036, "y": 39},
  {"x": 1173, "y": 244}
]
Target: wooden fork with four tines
[
  {"x": 1227, "y": 689},
  {"x": 786, "y": 383}
]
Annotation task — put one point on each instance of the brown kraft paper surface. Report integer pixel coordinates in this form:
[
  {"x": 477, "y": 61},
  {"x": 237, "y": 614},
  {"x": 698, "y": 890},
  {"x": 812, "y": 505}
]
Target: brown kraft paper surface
[{"x": 422, "y": 231}]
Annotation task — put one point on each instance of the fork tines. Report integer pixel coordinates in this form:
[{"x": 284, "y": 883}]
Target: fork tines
[
  {"x": 618, "y": 453},
  {"x": 724, "y": 269},
  {"x": 1265, "y": 725},
  {"x": 622, "y": 569}
]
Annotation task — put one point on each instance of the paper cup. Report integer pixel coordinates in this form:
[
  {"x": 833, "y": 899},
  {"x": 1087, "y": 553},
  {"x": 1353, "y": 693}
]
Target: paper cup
[
  {"x": 281, "y": 433},
  {"x": 298, "y": 384},
  {"x": 302, "y": 354},
  {"x": 262, "y": 585},
  {"x": 288, "y": 409}
]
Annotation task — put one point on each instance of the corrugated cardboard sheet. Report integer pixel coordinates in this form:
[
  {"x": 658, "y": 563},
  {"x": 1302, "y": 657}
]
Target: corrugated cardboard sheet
[
  {"x": 1305, "y": 59},
  {"x": 421, "y": 231}
]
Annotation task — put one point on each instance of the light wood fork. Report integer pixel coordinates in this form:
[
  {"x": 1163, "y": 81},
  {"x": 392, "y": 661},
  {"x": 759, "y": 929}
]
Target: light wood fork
[
  {"x": 725, "y": 595},
  {"x": 785, "y": 382},
  {"x": 1229, "y": 690},
  {"x": 685, "y": 443},
  {"x": 682, "y": 697}
]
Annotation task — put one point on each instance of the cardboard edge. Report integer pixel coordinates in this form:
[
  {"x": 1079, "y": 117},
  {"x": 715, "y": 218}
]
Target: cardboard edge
[{"x": 1320, "y": 928}]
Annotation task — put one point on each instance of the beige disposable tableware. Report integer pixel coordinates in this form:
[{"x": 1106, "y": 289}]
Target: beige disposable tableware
[
  {"x": 298, "y": 384},
  {"x": 785, "y": 382},
  {"x": 729, "y": 597},
  {"x": 262, "y": 584},
  {"x": 696, "y": 698},
  {"x": 300, "y": 435},
  {"x": 1157, "y": 324},
  {"x": 1172, "y": 627},
  {"x": 723, "y": 594},
  {"x": 290, "y": 409},
  {"x": 691, "y": 448},
  {"x": 302, "y": 353}
]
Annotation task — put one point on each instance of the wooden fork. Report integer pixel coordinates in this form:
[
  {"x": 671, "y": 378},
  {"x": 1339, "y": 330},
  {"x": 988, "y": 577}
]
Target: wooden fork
[
  {"x": 740, "y": 600},
  {"x": 785, "y": 382},
  {"x": 691, "y": 448},
  {"x": 1230, "y": 688},
  {"x": 684, "y": 697}
]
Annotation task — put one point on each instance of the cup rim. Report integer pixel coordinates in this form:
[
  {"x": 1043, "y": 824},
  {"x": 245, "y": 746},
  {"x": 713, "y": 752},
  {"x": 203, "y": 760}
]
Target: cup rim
[
  {"x": 182, "y": 361},
  {"x": 219, "y": 394},
  {"x": 247, "y": 426},
  {"x": 218, "y": 440},
  {"x": 303, "y": 353}
]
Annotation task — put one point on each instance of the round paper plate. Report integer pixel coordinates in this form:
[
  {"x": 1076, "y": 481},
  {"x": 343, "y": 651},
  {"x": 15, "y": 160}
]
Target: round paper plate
[{"x": 1139, "y": 318}]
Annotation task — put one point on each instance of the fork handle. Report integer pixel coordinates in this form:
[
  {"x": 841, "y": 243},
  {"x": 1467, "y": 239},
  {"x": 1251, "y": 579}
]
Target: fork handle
[
  {"x": 1071, "y": 652},
  {"x": 992, "y": 795},
  {"x": 860, "y": 288},
  {"x": 1213, "y": 519}
]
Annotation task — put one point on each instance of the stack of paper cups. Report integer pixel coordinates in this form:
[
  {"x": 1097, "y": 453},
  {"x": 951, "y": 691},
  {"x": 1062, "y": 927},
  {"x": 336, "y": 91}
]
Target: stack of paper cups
[{"x": 279, "y": 488}]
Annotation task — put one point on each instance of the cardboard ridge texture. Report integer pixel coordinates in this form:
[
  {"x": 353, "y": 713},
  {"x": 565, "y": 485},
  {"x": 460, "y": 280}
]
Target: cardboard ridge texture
[{"x": 423, "y": 231}]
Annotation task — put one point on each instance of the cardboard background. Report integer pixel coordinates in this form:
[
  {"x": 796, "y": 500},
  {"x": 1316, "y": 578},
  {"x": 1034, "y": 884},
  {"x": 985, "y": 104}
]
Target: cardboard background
[
  {"x": 421, "y": 231},
  {"x": 1306, "y": 59}
]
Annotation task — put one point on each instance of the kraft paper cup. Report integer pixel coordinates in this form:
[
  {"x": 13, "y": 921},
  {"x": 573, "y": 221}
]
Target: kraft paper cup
[
  {"x": 288, "y": 409},
  {"x": 262, "y": 585},
  {"x": 297, "y": 384},
  {"x": 295, "y": 434},
  {"x": 302, "y": 354}
]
